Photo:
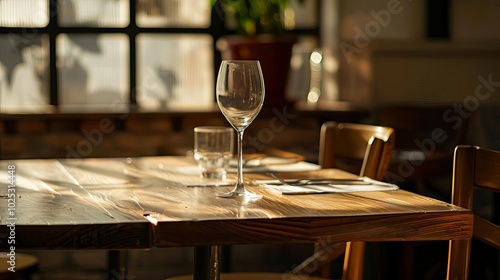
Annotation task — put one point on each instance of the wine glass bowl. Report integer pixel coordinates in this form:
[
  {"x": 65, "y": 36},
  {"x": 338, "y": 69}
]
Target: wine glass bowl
[{"x": 240, "y": 95}]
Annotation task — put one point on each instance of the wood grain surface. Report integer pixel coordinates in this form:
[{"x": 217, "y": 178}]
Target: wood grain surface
[{"x": 140, "y": 203}]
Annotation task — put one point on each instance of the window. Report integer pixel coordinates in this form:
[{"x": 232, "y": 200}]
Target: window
[{"x": 100, "y": 53}]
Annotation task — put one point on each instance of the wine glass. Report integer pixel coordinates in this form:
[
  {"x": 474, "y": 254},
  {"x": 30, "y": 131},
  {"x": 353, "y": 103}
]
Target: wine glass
[{"x": 240, "y": 95}]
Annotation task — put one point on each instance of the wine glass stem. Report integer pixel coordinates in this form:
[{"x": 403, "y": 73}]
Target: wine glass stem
[{"x": 239, "y": 182}]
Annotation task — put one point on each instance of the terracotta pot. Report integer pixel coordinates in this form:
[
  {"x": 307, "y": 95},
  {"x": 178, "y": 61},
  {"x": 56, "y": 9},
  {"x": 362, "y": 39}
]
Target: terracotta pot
[{"x": 274, "y": 54}]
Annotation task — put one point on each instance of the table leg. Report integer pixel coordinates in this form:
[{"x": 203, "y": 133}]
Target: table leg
[
  {"x": 207, "y": 263},
  {"x": 117, "y": 264},
  {"x": 226, "y": 258}
]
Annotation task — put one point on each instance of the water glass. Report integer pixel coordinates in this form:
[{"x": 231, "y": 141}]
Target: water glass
[{"x": 213, "y": 148}]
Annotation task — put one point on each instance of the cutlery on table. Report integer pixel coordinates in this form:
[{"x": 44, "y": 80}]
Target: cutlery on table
[{"x": 319, "y": 181}]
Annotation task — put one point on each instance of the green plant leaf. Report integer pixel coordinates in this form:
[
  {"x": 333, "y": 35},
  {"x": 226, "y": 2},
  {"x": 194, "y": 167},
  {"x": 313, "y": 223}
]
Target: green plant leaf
[{"x": 257, "y": 16}]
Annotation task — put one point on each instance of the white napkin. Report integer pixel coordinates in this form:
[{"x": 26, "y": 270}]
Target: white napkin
[
  {"x": 291, "y": 167},
  {"x": 341, "y": 187},
  {"x": 262, "y": 161}
]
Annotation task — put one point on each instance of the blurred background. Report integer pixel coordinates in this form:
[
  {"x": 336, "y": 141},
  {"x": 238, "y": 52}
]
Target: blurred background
[{"x": 67, "y": 67}]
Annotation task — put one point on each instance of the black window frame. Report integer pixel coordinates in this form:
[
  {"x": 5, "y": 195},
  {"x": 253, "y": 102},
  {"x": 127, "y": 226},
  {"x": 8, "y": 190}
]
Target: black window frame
[{"x": 216, "y": 29}]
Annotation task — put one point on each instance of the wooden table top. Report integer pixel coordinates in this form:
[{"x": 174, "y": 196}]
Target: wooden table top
[{"x": 115, "y": 203}]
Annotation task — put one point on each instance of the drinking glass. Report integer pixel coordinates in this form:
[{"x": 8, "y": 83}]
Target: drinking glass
[
  {"x": 240, "y": 95},
  {"x": 213, "y": 148}
]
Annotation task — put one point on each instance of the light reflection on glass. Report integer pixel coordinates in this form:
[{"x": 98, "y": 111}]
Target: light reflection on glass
[
  {"x": 174, "y": 70},
  {"x": 93, "y": 68},
  {"x": 25, "y": 13},
  {"x": 94, "y": 13},
  {"x": 24, "y": 75}
]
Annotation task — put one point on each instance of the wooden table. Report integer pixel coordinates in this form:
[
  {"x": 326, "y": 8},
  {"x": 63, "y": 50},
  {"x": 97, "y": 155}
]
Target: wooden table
[{"x": 118, "y": 203}]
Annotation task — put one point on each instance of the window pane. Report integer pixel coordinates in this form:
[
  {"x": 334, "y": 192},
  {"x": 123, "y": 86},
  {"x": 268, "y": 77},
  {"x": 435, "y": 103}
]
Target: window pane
[
  {"x": 24, "y": 74},
  {"x": 93, "y": 69},
  {"x": 95, "y": 13},
  {"x": 173, "y": 13},
  {"x": 175, "y": 70},
  {"x": 24, "y": 13}
]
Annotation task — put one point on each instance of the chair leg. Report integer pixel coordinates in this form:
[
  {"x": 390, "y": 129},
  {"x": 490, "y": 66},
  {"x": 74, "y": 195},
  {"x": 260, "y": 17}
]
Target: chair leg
[
  {"x": 318, "y": 263},
  {"x": 354, "y": 261}
]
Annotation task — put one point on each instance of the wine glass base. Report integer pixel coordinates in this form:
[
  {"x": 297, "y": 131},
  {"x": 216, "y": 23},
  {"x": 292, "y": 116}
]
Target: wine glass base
[{"x": 245, "y": 194}]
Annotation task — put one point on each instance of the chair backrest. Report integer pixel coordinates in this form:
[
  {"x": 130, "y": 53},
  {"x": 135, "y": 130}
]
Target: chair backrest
[
  {"x": 358, "y": 148},
  {"x": 473, "y": 167}
]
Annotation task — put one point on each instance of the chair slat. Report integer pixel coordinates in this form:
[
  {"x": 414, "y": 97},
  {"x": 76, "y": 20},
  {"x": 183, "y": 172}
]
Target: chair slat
[
  {"x": 486, "y": 177},
  {"x": 486, "y": 231}
]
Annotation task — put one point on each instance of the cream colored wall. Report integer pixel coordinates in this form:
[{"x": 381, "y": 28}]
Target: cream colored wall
[
  {"x": 438, "y": 73},
  {"x": 475, "y": 20},
  {"x": 406, "y": 24},
  {"x": 389, "y": 59}
]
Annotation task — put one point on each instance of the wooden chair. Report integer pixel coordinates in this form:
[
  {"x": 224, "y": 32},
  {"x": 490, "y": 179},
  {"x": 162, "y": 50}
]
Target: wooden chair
[
  {"x": 357, "y": 148},
  {"x": 473, "y": 168},
  {"x": 421, "y": 162},
  {"x": 360, "y": 149}
]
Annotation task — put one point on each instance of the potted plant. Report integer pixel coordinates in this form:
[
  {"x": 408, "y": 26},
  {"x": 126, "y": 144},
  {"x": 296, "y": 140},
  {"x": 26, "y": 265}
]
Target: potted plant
[{"x": 262, "y": 35}]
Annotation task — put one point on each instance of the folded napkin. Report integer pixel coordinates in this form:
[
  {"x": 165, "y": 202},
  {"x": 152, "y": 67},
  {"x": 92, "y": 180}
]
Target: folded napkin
[
  {"x": 262, "y": 160},
  {"x": 363, "y": 185},
  {"x": 279, "y": 167}
]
